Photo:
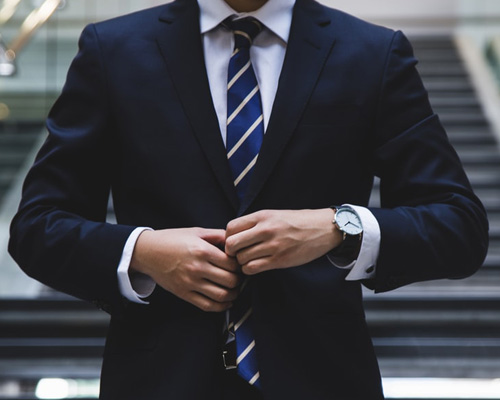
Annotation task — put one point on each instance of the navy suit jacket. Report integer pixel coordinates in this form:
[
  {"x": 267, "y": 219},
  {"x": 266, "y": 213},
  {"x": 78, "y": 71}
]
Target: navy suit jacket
[{"x": 136, "y": 117}]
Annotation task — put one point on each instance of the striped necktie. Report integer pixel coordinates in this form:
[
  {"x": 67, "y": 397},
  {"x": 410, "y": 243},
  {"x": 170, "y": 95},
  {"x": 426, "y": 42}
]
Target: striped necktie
[
  {"x": 245, "y": 132},
  {"x": 245, "y": 126}
]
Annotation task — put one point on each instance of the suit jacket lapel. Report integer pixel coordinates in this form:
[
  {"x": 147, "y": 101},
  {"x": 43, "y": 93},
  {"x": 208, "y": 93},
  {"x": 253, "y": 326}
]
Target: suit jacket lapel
[
  {"x": 181, "y": 45},
  {"x": 310, "y": 43}
]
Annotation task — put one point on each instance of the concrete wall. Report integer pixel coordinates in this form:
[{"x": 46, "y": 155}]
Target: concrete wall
[
  {"x": 421, "y": 16},
  {"x": 424, "y": 16},
  {"x": 392, "y": 9}
]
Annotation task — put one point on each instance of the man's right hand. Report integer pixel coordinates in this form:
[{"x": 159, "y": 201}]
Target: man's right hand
[{"x": 190, "y": 264}]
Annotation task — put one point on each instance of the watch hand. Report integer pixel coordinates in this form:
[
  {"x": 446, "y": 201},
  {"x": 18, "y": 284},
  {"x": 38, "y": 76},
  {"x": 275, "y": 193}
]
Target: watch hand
[{"x": 349, "y": 222}]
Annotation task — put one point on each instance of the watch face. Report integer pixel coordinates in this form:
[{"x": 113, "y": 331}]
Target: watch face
[{"x": 348, "y": 221}]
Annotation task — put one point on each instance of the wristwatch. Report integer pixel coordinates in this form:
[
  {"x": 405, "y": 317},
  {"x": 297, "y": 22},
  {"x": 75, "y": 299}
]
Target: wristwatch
[{"x": 349, "y": 224}]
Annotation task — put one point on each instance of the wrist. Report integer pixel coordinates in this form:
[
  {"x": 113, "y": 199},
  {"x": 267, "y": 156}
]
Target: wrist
[
  {"x": 138, "y": 262},
  {"x": 333, "y": 234}
]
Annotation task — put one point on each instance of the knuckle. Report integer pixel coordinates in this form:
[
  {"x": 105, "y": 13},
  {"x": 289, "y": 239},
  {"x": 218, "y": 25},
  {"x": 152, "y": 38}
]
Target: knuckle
[
  {"x": 205, "y": 305},
  {"x": 198, "y": 251},
  {"x": 267, "y": 230},
  {"x": 198, "y": 231},
  {"x": 274, "y": 246},
  {"x": 230, "y": 242},
  {"x": 222, "y": 295},
  {"x": 192, "y": 269},
  {"x": 241, "y": 258},
  {"x": 249, "y": 269},
  {"x": 233, "y": 282},
  {"x": 263, "y": 214},
  {"x": 234, "y": 294},
  {"x": 230, "y": 226},
  {"x": 220, "y": 307},
  {"x": 233, "y": 264},
  {"x": 187, "y": 282}
]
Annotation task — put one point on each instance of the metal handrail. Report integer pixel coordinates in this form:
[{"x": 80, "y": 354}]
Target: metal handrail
[
  {"x": 7, "y": 10},
  {"x": 36, "y": 19}
]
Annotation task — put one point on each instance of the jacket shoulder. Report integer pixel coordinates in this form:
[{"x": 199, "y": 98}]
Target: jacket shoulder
[
  {"x": 350, "y": 25},
  {"x": 130, "y": 24}
]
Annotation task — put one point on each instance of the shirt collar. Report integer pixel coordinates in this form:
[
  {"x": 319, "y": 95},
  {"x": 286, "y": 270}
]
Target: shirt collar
[{"x": 276, "y": 15}]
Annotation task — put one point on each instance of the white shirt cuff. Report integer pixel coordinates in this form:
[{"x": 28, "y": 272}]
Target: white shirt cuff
[
  {"x": 134, "y": 287},
  {"x": 365, "y": 265}
]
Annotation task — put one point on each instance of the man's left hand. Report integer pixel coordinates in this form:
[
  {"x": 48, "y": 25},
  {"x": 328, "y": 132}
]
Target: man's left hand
[{"x": 271, "y": 239}]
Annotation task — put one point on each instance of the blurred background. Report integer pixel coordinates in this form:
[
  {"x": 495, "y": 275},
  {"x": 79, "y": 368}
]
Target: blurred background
[{"x": 436, "y": 340}]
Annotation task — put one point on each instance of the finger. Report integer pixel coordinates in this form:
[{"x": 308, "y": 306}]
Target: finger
[
  {"x": 220, "y": 259},
  {"x": 222, "y": 277},
  {"x": 257, "y": 266},
  {"x": 251, "y": 237},
  {"x": 252, "y": 253},
  {"x": 242, "y": 223},
  {"x": 215, "y": 292},
  {"x": 206, "y": 304},
  {"x": 216, "y": 237}
]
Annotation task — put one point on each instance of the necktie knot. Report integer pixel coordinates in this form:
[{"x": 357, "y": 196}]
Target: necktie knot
[{"x": 245, "y": 30}]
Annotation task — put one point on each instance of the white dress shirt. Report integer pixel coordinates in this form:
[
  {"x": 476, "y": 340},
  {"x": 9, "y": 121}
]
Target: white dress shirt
[{"x": 267, "y": 54}]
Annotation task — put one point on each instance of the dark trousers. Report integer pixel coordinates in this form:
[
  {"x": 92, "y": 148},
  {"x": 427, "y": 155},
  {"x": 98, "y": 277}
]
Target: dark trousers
[{"x": 235, "y": 388}]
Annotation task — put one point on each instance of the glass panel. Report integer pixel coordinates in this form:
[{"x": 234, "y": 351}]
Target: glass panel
[{"x": 38, "y": 40}]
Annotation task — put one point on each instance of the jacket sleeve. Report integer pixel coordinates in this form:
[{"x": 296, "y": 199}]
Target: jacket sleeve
[
  {"x": 432, "y": 225},
  {"x": 59, "y": 235}
]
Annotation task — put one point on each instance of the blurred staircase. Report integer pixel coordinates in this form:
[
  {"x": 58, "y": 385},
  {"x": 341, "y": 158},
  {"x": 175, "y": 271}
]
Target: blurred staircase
[
  {"x": 16, "y": 143},
  {"x": 448, "y": 329},
  {"x": 56, "y": 337}
]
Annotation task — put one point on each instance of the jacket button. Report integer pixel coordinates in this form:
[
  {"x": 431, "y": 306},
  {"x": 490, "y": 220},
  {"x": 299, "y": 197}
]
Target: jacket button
[{"x": 98, "y": 303}]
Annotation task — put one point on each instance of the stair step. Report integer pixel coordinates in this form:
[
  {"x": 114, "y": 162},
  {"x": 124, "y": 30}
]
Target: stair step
[
  {"x": 462, "y": 118},
  {"x": 36, "y": 368},
  {"x": 440, "y": 69},
  {"x": 20, "y": 127},
  {"x": 445, "y": 102},
  {"x": 436, "y": 367},
  {"x": 461, "y": 135},
  {"x": 477, "y": 155},
  {"x": 12, "y": 158},
  {"x": 484, "y": 179},
  {"x": 75, "y": 348},
  {"x": 492, "y": 261},
  {"x": 439, "y": 42},
  {"x": 434, "y": 41},
  {"x": 437, "y": 347},
  {"x": 7, "y": 175},
  {"x": 438, "y": 85},
  {"x": 435, "y": 55},
  {"x": 494, "y": 220},
  {"x": 19, "y": 139}
]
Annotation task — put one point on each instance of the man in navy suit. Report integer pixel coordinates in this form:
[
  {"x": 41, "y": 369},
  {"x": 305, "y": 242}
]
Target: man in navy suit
[{"x": 143, "y": 114}]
